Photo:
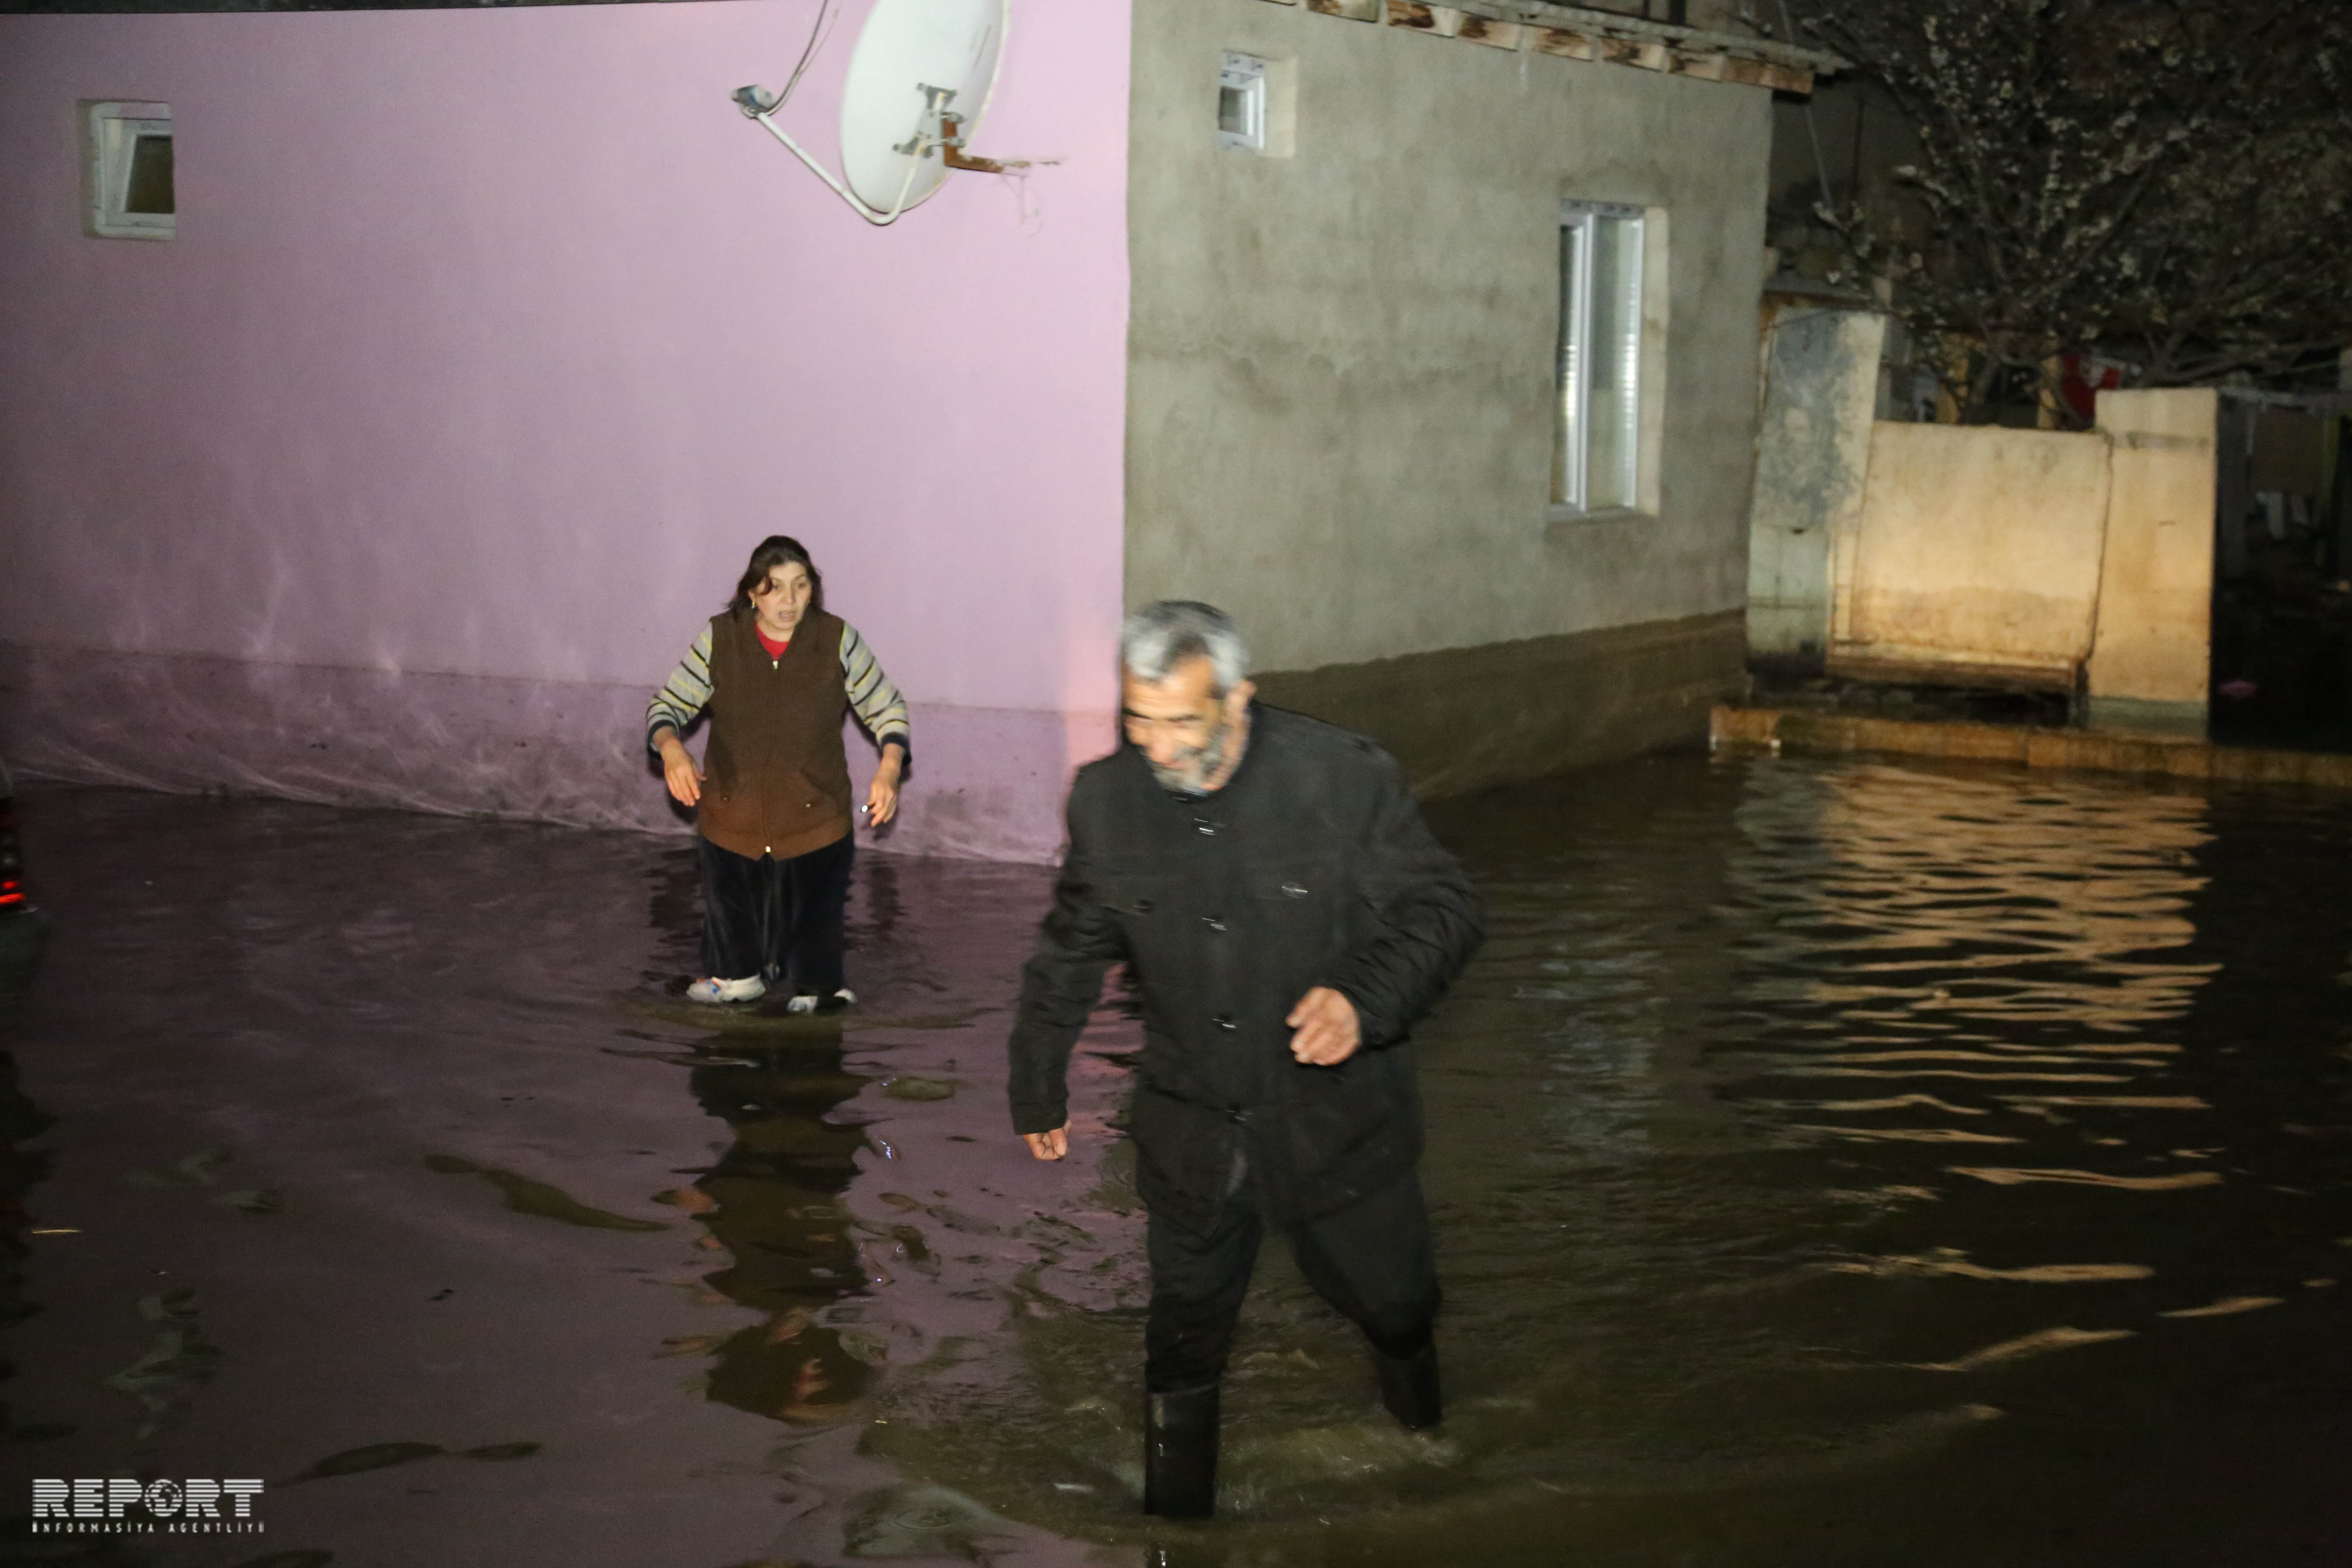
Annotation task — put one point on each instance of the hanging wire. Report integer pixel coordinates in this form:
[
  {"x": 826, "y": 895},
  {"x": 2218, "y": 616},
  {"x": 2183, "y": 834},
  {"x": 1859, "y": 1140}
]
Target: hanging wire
[
  {"x": 1820, "y": 166},
  {"x": 828, "y": 12},
  {"x": 756, "y": 107}
]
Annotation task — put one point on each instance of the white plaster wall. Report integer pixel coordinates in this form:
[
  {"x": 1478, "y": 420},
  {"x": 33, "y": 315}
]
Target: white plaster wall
[
  {"x": 1975, "y": 546},
  {"x": 2155, "y": 640}
]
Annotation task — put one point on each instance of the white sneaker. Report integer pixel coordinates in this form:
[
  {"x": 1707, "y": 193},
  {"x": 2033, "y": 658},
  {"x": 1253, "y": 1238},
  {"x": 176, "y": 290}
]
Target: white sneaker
[
  {"x": 844, "y": 996},
  {"x": 750, "y": 990}
]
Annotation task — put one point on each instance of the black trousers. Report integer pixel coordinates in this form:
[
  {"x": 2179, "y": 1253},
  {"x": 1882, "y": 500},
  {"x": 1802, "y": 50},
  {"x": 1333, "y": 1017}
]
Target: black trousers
[
  {"x": 1371, "y": 1260},
  {"x": 780, "y": 919}
]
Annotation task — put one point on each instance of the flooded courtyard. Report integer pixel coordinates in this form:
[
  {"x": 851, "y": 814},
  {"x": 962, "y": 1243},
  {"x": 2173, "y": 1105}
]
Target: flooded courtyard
[{"x": 1830, "y": 1162}]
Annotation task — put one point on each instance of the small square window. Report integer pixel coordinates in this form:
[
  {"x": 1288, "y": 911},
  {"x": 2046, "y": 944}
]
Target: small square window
[
  {"x": 1241, "y": 104},
  {"x": 128, "y": 170}
]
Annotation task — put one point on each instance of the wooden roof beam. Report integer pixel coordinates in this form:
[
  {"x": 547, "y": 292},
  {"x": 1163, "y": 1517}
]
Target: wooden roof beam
[{"x": 1576, "y": 32}]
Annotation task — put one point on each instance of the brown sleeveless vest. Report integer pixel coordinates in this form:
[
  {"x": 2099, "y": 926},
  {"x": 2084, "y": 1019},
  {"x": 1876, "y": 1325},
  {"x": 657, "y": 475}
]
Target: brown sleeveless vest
[{"x": 779, "y": 778}]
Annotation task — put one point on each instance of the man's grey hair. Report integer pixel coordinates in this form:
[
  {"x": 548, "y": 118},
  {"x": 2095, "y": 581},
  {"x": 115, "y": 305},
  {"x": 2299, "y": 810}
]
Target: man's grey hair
[{"x": 1162, "y": 636}]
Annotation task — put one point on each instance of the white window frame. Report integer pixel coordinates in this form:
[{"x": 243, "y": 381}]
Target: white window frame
[
  {"x": 1244, "y": 77},
  {"x": 1576, "y": 363},
  {"x": 111, "y": 129}
]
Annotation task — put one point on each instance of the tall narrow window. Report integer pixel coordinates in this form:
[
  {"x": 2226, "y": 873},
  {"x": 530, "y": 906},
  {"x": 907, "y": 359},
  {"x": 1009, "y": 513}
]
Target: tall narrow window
[{"x": 1597, "y": 458}]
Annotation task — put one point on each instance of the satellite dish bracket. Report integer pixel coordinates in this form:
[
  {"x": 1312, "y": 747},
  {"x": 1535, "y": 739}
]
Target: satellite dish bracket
[
  {"x": 928, "y": 131},
  {"x": 749, "y": 96},
  {"x": 940, "y": 127},
  {"x": 951, "y": 145}
]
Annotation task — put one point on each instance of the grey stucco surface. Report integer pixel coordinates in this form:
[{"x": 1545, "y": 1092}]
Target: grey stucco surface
[
  {"x": 1339, "y": 401},
  {"x": 1810, "y": 466}
]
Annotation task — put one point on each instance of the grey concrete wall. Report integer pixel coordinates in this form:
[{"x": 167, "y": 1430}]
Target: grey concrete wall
[
  {"x": 1463, "y": 719},
  {"x": 1820, "y": 387},
  {"x": 1340, "y": 420}
]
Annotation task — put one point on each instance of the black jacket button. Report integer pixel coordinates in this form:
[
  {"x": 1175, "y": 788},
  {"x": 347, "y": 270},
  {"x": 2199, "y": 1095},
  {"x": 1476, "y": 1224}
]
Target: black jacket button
[
  {"x": 1224, "y": 1021},
  {"x": 1208, "y": 828},
  {"x": 1212, "y": 922}
]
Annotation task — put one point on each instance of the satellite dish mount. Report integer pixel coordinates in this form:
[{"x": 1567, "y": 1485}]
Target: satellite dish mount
[{"x": 919, "y": 84}]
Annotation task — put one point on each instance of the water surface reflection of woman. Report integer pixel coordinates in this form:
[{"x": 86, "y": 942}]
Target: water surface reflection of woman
[{"x": 776, "y": 673}]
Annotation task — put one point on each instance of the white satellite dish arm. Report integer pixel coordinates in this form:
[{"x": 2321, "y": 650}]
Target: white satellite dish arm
[
  {"x": 895, "y": 120},
  {"x": 928, "y": 133}
]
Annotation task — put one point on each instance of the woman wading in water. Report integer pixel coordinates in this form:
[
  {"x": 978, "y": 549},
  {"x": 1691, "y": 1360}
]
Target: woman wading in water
[{"x": 773, "y": 818}]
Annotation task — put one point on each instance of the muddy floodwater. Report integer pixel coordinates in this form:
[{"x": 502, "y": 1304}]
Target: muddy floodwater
[{"x": 1831, "y": 1163}]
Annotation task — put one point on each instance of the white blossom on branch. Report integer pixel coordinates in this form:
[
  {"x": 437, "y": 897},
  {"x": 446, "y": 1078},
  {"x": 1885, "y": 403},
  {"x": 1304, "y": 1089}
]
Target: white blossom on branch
[{"x": 2163, "y": 183}]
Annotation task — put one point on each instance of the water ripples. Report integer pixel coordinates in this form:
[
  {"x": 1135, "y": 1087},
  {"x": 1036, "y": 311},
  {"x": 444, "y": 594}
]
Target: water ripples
[{"x": 1798, "y": 1121}]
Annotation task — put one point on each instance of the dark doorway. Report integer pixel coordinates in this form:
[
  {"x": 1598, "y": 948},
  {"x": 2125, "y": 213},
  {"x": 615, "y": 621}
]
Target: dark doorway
[{"x": 2283, "y": 574}]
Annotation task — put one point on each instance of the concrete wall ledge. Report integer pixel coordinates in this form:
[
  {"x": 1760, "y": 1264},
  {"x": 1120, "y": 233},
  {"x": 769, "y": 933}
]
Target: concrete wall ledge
[
  {"x": 2172, "y": 756},
  {"x": 1460, "y": 719}
]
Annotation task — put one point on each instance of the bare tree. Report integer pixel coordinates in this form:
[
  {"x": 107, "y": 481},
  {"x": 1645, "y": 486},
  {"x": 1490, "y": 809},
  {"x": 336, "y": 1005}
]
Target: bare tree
[{"x": 2165, "y": 183}]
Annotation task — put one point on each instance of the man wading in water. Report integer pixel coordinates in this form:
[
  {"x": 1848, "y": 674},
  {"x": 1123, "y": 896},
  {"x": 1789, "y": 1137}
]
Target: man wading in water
[{"x": 1288, "y": 917}]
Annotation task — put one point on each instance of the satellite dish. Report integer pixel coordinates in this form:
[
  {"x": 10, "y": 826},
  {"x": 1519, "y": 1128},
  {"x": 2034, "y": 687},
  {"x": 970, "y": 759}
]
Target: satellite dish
[
  {"x": 919, "y": 81},
  {"x": 911, "y": 49}
]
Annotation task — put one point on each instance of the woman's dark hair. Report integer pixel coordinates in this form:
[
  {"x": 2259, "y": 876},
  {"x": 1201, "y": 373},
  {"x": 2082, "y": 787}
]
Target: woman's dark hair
[{"x": 775, "y": 550}]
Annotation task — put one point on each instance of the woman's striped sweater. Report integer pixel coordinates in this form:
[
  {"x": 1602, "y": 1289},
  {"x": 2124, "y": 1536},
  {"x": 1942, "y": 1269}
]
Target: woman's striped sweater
[{"x": 877, "y": 703}]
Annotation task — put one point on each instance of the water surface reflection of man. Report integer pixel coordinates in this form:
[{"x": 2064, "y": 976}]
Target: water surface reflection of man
[{"x": 1288, "y": 917}]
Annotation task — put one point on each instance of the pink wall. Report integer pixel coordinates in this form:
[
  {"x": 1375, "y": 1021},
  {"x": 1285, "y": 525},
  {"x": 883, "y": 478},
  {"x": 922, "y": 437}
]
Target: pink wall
[{"x": 489, "y": 344}]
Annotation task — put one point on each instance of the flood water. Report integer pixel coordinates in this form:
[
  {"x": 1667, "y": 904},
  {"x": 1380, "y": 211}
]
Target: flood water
[{"x": 1831, "y": 1161}]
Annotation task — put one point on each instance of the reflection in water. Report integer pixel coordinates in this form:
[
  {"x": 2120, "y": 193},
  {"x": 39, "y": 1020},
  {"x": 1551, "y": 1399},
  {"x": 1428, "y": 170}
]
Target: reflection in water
[
  {"x": 773, "y": 1201},
  {"x": 21, "y": 1169},
  {"x": 1948, "y": 922},
  {"x": 1831, "y": 1163},
  {"x": 1800, "y": 1124}
]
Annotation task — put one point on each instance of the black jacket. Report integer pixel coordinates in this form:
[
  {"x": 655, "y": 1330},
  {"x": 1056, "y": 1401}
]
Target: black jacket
[{"x": 1312, "y": 867}]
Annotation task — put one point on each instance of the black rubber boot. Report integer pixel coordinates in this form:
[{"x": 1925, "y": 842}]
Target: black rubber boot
[
  {"x": 1180, "y": 1453},
  {"x": 1409, "y": 1387}
]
